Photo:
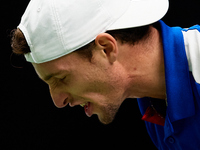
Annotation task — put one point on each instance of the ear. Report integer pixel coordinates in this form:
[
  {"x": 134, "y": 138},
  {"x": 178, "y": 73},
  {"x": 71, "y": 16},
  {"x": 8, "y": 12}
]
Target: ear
[{"x": 108, "y": 45}]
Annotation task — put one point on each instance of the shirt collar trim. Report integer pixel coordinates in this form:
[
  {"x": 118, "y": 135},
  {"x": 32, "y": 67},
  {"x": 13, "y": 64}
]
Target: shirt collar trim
[{"x": 179, "y": 92}]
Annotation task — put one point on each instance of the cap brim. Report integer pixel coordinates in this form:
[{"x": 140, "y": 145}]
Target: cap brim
[{"x": 140, "y": 13}]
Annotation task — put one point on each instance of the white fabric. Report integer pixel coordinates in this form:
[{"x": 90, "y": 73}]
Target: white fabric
[
  {"x": 54, "y": 28},
  {"x": 192, "y": 47}
]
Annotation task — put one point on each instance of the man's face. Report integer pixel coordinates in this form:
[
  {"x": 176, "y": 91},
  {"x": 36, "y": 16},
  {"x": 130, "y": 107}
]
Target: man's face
[{"x": 98, "y": 86}]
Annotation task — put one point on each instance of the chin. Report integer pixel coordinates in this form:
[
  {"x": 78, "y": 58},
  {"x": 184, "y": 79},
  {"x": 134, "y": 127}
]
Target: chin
[
  {"x": 105, "y": 121},
  {"x": 106, "y": 118},
  {"x": 106, "y": 113}
]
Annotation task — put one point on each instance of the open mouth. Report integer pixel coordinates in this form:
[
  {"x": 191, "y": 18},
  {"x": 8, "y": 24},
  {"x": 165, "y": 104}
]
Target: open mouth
[
  {"x": 87, "y": 108},
  {"x": 82, "y": 105}
]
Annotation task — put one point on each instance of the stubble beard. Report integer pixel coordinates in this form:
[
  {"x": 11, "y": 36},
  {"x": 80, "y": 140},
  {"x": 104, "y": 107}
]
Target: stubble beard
[{"x": 108, "y": 114}]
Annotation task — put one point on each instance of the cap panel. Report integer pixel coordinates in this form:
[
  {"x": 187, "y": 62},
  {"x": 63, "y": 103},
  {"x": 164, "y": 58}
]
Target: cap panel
[
  {"x": 54, "y": 28},
  {"x": 84, "y": 21},
  {"x": 38, "y": 21},
  {"x": 58, "y": 27}
]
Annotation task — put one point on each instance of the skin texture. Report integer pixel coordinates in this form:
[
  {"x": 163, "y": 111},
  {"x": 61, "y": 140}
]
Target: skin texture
[{"x": 117, "y": 71}]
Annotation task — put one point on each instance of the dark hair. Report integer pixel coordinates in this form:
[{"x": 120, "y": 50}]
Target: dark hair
[
  {"x": 130, "y": 36},
  {"x": 18, "y": 43}
]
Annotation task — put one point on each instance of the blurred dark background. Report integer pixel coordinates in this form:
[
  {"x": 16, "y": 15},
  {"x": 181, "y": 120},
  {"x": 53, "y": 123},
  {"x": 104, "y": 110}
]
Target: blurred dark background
[{"x": 28, "y": 118}]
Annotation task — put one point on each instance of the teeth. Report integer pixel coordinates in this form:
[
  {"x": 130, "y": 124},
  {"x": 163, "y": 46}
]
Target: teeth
[{"x": 82, "y": 105}]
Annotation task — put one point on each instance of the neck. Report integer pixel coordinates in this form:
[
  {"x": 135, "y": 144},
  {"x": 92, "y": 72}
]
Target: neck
[{"x": 145, "y": 69}]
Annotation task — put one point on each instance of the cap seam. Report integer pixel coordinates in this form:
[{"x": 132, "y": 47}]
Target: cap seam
[
  {"x": 100, "y": 4},
  {"x": 58, "y": 26}
]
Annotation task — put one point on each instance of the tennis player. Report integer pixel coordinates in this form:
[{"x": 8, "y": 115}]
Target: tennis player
[{"x": 97, "y": 53}]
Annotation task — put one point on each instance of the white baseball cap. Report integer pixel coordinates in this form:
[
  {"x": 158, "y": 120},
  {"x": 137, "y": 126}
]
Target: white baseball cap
[{"x": 54, "y": 28}]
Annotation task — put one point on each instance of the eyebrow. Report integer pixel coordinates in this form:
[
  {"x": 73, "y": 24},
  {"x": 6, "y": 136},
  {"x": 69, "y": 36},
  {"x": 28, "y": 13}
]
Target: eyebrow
[{"x": 48, "y": 77}]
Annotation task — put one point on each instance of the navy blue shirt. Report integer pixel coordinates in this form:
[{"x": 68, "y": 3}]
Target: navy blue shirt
[{"x": 182, "y": 121}]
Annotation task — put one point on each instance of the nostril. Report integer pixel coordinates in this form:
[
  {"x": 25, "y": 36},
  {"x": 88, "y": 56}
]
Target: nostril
[{"x": 65, "y": 101}]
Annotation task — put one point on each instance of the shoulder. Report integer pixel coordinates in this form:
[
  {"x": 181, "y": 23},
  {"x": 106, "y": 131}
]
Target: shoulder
[{"x": 192, "y": 47}]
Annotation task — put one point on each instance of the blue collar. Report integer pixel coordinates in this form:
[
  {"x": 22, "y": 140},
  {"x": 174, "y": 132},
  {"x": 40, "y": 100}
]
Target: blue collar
[
  {"x": 180, "y": 97},
  {"x": 179, "y": 92}
]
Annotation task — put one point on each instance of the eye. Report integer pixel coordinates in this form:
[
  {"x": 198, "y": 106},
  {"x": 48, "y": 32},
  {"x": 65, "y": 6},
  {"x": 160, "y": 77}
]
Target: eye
[{"x": 63, "y": 78}]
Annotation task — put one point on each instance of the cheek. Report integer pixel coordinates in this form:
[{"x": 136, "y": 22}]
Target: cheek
[
  {"x": 96, "y": 86},
  {"x": 99, "y": 90}
]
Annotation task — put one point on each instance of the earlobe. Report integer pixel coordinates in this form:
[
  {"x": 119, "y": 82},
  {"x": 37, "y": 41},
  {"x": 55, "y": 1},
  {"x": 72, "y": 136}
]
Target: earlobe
[{"x": 108, "y": 45}]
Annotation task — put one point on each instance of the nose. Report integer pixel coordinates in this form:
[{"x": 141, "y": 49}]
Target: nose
[
  {"x": 60, "y": 102},
  {"x": 60, "y": 99}
]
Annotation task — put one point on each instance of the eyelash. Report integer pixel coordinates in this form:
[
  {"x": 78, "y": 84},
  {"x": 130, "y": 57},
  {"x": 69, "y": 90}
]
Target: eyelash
[{"x": 63, "y": 78}]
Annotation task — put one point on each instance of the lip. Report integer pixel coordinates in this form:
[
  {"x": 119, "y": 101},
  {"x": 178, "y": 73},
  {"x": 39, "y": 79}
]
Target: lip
[
  {"x": 72, "y": 104},
  {"x": 88, "y": 109}
]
